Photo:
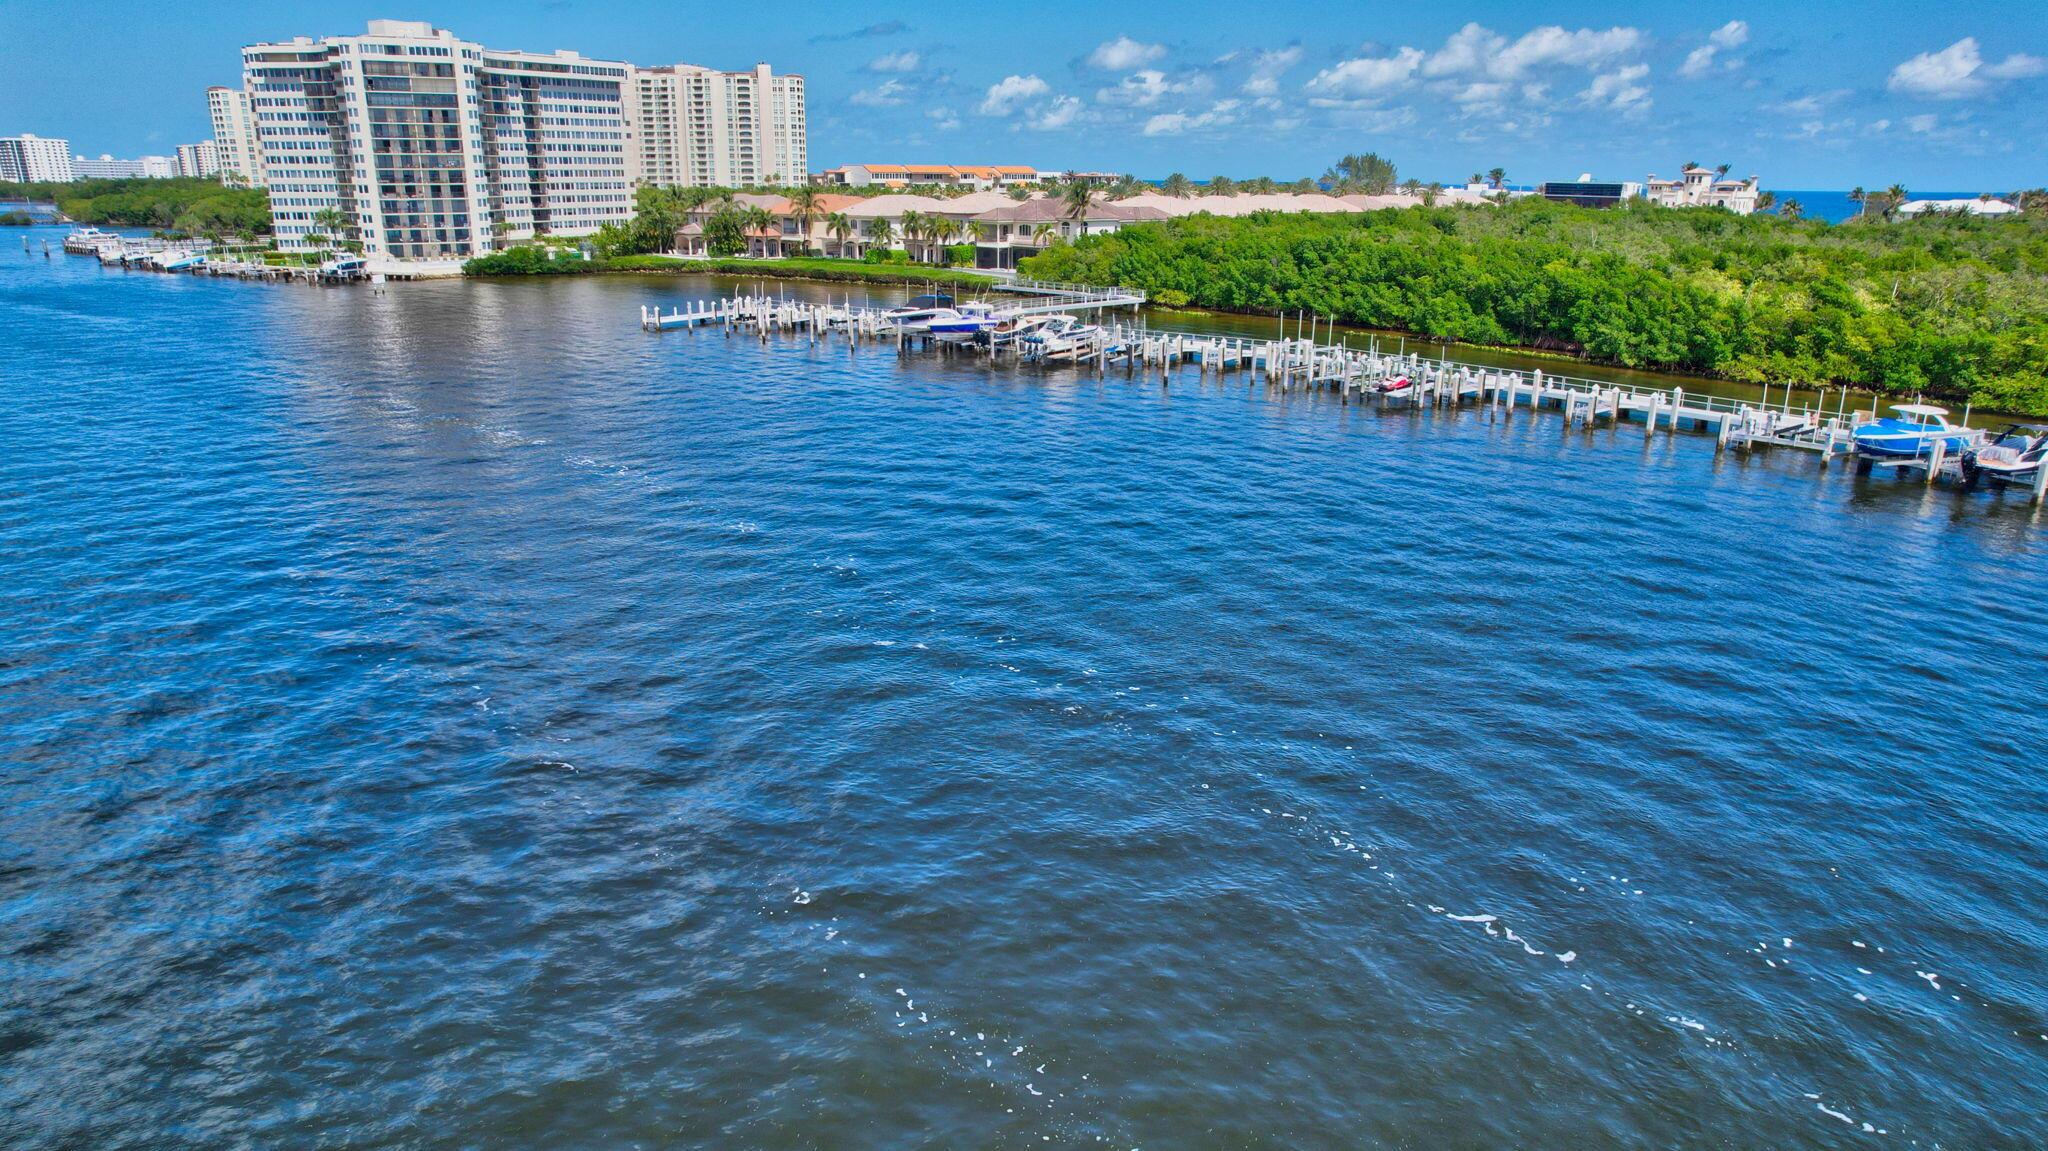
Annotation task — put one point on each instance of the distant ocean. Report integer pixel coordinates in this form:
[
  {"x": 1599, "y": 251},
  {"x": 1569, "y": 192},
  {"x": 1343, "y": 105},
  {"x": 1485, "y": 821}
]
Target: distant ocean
[{"x": 1835, "y": 207}]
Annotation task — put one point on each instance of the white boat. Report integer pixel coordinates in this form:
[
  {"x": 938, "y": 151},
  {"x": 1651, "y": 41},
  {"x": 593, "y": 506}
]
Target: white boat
[
  {"x": 2013, "y": 456},
  {"x": 88, "y": 241},
  {"x": 1014, "y": 328},
  {"x": 180, "y": 261},
  {"x": 967, "y": 322},
  {"x": 344, "y": 267},
  {"x": 918, "y": 314},
  {"x": 1909, "y": 435},
  {"x": 1061, "y": 337}
]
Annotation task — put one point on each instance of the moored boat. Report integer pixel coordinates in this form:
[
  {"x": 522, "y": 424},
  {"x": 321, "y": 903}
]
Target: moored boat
[
  {"x": 2015, "y": 455},
  {"x": 1396, "y": 387},
  {"x": 967, "y": 321},
  {"x": 1911, "y": 434},
  {"x": 1062, "y": 336},
  {"x": 918, "y": 314}
]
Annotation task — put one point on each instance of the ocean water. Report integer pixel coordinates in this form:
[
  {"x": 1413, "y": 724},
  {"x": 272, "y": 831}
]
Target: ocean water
[
  {"x": 450, "y": 717},
  {"x": 1835, "y": 206}
]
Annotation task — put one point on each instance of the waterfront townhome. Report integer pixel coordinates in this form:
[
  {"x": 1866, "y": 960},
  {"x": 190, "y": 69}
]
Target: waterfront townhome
[
  {"x": 1703, "y": 188},
  {"x": 1020, "y": 229}
]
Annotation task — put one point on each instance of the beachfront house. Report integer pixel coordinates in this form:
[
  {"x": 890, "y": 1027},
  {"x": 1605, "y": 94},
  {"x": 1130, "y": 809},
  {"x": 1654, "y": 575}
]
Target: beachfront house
[{"x": 1703, "y": 188}]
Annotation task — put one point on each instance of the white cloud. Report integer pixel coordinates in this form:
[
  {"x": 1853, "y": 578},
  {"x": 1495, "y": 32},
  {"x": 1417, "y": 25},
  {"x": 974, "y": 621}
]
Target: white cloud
[
  {"x": 1620, "y": 89},
  {"x": 1728, "y": 37},
  {"x": 944, "y": 119},
  {"x": 1476, "y": 50},
  {"x": 1812, "y": 104},
  {"x": 1056, "y": 115},
  {"x": 1175, "y": 123},
  {"x": 1923, "y": 123},
  {"x": 1367, "y": 75},
  {"x": 1006, "y": 95},
  {"x": 2016, "y": 67},
  {"x": 896, "y": 62},
  {"x": 1268, "y": 67},
  {"x": 1124, "y": 53},
  {"x": 1959, "y": 70},
  {"x": 887, "y": 94},
  {"x": 1140, "y": 89}
]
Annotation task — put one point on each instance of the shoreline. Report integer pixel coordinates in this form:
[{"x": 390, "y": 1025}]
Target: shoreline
[{"x": 776, "y": 270}]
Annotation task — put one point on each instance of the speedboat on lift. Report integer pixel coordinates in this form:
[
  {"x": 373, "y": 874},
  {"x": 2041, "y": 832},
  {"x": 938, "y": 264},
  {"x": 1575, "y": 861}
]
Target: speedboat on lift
[
  {"x": 2013, "y": 456},
  {"x": 1911, "y": 434}
]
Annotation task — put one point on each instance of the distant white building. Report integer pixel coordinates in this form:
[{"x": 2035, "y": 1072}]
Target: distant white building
[
  {"x": 1703, "y": 188},
  {"x": 106, "y": 167},
  {"x": 234, "y": 137},
  {"x": 199, "y": 160},
  {"x": 32, "y": 159},
  {"x": 976, "y": 176},
  {"x": 698, "y": 127},
  {"x": 1976, "y": 207}
]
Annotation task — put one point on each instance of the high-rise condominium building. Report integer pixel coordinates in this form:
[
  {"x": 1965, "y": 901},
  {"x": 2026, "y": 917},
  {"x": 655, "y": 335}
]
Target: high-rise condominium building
[
  {"x": 420, "y": 145},
  {"x": 201, "y": 159},
  {"x": 31, "y": 159},
  {"x": 695, "y": 126},
  {"x": 234, "y": 137}
]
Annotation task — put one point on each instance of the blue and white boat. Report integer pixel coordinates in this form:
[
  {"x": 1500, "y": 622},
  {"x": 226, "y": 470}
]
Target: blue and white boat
[
  {"x": 181, "y": 261},
  {"x": 966, "y": 322},
  {"x": 918, "y": 314},
  {"x": 1911, "y": 434}
]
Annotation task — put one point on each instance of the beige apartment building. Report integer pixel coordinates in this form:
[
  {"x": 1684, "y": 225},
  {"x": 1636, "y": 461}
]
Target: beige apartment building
[
  {"x": 697, "y": 127},
  {"x": 234, "y": 137}
]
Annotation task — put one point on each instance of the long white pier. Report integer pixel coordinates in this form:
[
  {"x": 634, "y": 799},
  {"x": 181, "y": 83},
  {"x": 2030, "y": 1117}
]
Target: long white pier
[{"x": 1299, "y": 362}]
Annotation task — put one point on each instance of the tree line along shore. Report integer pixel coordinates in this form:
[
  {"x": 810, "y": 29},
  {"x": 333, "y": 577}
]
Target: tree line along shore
[{"x": 1942, "y": 306}]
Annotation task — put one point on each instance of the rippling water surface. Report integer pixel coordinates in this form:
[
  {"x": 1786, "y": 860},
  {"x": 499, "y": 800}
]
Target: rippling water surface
[{"x": 452, "y": 718}]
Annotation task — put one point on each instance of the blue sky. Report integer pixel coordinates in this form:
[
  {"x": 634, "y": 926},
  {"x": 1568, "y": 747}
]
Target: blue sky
[{"x": 1949, "y": 97}]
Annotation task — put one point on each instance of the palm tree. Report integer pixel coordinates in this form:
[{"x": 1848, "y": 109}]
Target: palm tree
[
  {"x": 1178, "y": 186},
  {"x": 803, "y": 208},
  {"x": 913, "y": 227},
  {"x": 1497, "y": 176},
  {"x": 1076, "y": 199},
  {"x": 839, "y": 228},
  {"x": 330, "y": 221},
  {"x": 1261, "y": 186},
  {"x": 1893, "y": 197},
  {"x": 1860, "y": 198},
  {"x": 1765, "y": 200},
  {"x": 1045, "y": 234},
  {"x": 760, "y": 219},
  {"x": 1125, "y": 187},
  {"x": 1430, "y": 192},
  {"x": 1791, "y": 209},
  {"x": 1220, "y": 186},
  {"x": 1305, "y": 186},
  {"x": 880, "y": 233},
  {"x": 1720, "y": 169}
]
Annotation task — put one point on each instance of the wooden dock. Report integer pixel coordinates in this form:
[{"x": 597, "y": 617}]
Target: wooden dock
[{"x": 1299, "y": 362}]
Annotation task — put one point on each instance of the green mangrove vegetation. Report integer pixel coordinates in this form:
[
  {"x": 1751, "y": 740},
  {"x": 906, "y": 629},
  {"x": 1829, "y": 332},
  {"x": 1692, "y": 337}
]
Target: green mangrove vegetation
[
  {"x": 1947, "y": 306},
  {"x": 199, "y": 207}
]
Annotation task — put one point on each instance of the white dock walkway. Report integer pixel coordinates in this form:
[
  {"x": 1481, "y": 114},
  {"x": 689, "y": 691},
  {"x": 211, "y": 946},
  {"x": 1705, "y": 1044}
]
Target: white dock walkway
[{"x": 1298, "y": 362}]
